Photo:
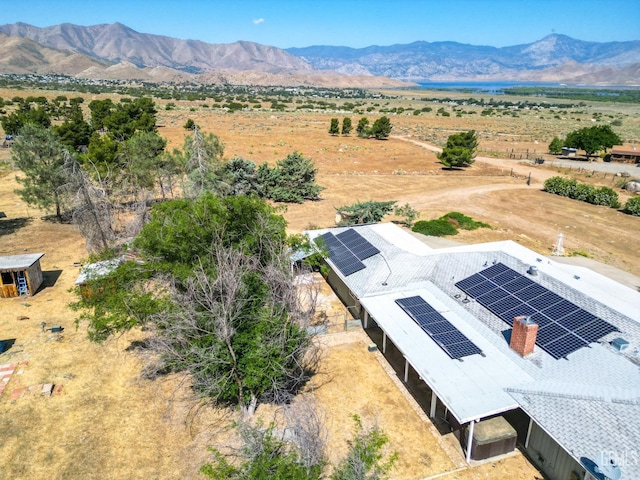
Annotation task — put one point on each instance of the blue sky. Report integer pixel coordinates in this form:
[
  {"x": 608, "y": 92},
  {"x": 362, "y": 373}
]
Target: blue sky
[{"x": 353, "y": 23}]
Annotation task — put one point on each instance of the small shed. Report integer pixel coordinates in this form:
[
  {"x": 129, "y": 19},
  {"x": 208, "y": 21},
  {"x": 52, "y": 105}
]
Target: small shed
[
  {"x": 95, "y": 270},
  {"x": 569, "y": 152},
  {"x": 20, "y": 275}
]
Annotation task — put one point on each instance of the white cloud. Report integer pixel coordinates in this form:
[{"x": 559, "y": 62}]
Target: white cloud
[{"x": 258, "y": 21}]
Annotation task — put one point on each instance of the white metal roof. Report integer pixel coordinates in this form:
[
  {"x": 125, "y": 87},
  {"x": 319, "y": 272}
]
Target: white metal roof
[
  {"x": 18, "y": 262},
  {"x": 97, "y": 270}
]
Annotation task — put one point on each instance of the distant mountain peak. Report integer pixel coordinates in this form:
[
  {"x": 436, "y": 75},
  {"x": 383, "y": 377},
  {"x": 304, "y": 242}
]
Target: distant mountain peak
[{"x": 556, "y": 56}]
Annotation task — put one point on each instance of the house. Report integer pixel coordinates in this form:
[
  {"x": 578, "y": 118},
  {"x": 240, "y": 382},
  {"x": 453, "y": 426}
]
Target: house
[
  {"x": 497, "y": 333},
  {"x": 20, "y": 275},
  {"x": 625, "y": 155}
]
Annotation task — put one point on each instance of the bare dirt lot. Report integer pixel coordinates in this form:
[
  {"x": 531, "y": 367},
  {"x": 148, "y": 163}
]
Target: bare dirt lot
[{"x": 106, "y": 422}]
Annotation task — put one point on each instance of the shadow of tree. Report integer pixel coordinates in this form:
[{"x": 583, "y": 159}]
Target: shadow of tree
[{"x": 7, "y": 227}]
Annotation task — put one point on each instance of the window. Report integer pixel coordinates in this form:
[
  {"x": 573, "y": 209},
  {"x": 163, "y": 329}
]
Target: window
[{"x": 7, "y": 278}]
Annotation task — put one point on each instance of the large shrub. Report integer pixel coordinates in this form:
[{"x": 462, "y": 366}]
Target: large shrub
[
  {"x": 632, "y": 207},
  {"x": 435, "y": 228},
  {"x": 605, "y": 196},
  {"x": 569, "y": 187}
]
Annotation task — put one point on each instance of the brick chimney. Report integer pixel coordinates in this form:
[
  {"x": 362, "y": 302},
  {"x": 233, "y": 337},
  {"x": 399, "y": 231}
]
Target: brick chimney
[{"x": 523, "y": 335}]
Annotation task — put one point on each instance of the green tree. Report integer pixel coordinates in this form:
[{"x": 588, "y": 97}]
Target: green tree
[
  {"x": 454, "y": 157},
  {"x": 189, "y": 125},
  {"x": 381, "y": 128},
  {"x": 39, "y": 154},
  {"x": 100, "y": 109},
  {"x": 363, "y": 127},
  {"x": 334, "y": 129},
  {"x": 292, "y": 180},
  {"x": 460, "y": 150},
  {"x": 242, "y": 177},
  {"x": 366, "y": 459},
  {"x": 74, "y": 132},
  {"x": 203, "y": 161},
  {"x": 593, "y": 139},
  {"x": 555, "y": 147},
  {"x": 346, "y": 126},
  {"x": 365, "y": 212},
  {"x": 140, "y": 163},
  {"x": 100, "y": 160},
  {"x": 13, "y": 123}
]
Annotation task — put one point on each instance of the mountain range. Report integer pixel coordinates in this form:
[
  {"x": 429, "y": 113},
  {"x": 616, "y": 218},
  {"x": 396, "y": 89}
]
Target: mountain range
[{"x": 115, "y": 51}]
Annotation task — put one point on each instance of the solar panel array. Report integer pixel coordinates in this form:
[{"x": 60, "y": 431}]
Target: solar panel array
[
  {"x": 563, "y": 327},
  {"x": 347, "y": 250},
  {"x": 441, "y": 331}
]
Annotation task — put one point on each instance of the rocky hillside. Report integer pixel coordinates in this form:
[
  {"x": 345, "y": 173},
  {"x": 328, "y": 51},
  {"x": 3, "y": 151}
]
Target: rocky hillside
[
  {"x": 118, "y": 43},
  {"x": 538, "y": 61}
]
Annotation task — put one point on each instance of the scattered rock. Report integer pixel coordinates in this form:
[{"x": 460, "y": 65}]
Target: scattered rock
[{"x": 22, "y": 317}]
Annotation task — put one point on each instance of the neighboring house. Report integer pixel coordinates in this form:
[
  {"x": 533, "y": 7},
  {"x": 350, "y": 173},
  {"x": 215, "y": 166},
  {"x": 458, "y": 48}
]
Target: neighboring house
[
  {"x": 20, "y": 275},
  {"x": 496, "y": 332},
  {"x": 625, "y": 155}
]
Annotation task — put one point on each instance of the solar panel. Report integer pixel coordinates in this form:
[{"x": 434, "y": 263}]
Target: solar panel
[
  {"x": 564, "y": 345},
  {"x": 518, "y": 284},
  {"x": 495, "y": 270},
  {"x": 506, "y": 277},
  {"x": 471, "y": 281},
  {"x": 504, "y": 305},
  {"x": 444, "y": 333},
  {"x": 462, "y": 349},
  {"x": 355, "y": 242},
  {"x": 409, "y": 301},
  {"x": 492, "y": 296},
  {"x": 341, "y": 256},
  {"x": 560, "y": 309},
  {"x": 532, "y": 291},
  {"x": 541, "y": 319},
  {"x": 576, "y": 319},
  {"x": 436, "y": 328},
  {"x": 545, "y": 300},
  {"x": 449, "y": 338},
  {"x": 563, "y": 327},
  {"x": 348, "y": 264},
  {"x": 549, "y": 333},
  {"x": 595, "y": 330},
  {"x": 522, "y": 309},
  {"x": 481, "y": 288}
]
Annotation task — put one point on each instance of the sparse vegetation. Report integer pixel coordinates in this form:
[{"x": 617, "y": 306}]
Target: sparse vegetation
[
  {"x": 361, "y": 213},
  {"x": 448, "y": 224}
]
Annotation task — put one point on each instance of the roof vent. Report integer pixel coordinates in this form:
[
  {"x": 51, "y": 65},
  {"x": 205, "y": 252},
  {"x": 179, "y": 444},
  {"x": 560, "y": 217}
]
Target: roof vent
[
  {"x": 620, "y": 344},
  {"x": 533, "y": 271}
]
